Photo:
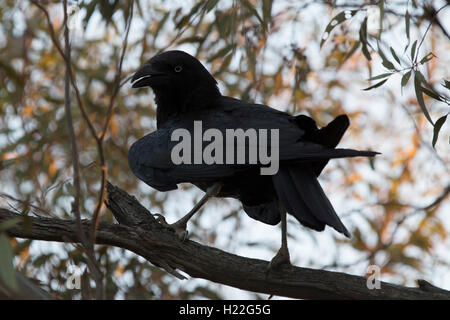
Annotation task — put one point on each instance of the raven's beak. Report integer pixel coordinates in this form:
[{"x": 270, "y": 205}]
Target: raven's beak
[{"x": 144, "y": 76}]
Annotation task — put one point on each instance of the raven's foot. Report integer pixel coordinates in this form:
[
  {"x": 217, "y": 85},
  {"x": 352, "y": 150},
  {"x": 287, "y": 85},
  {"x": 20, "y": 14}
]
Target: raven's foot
[
  {"x": 180, "y": 230},
  {"x": 178, "y": 227},
  {"x": 281, "y": 258}
]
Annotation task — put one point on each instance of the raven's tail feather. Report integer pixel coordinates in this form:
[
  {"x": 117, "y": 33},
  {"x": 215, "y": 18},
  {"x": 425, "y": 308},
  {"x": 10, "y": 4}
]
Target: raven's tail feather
[
  {"x": 266, "y": 212},
  {"x": 313, "y": 155},
  {"x": 303, "y": 197},
  {"x": 329, "y": 137}
]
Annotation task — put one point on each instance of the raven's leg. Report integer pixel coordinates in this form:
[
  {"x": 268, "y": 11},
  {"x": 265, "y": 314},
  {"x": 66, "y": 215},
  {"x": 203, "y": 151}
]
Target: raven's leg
[
  {"x": 180, "y": 225},
  {"x": 282, "y": 257}
]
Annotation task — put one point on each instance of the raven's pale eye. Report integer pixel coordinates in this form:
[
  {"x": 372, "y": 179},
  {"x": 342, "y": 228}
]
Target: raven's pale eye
[{"x": 178, "y": 68}]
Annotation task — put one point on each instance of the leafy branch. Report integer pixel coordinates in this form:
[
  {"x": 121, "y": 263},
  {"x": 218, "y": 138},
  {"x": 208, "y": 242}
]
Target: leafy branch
[{"x": 409, "y": 68}]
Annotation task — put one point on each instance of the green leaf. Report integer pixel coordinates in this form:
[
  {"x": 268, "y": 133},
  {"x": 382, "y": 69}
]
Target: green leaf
[
  {"x": 338, "y": 19},
  {"x": 192, "y": 39},
  {"x": 267, "y": 10},
  {"x": 363, "y": 39},
  {"x": 381, "y": 7},
  {"x": 431, "y": 93},
  {"x": 405, "y": 78},
  {"x": 352, "y": 50},
  {"x": 222, "y": 52},
  {"x": 376, "y": 85},
  {"x": 419, "y": 97},
  {"x": 446, "y": 84},
  {"x": 381, "y": 76},
  {"x": 7, "y": 224},
  {"x": 252, "y": 10},
  {"x": 421, "y": 77},
  {"x": 210, "y": 4},
  {"x": 427, "y": 58},
  {"x": 394, "y": 55},
  {"x": 7, "y": 272},
  {"x": 413, "y": 50},
  {"x": 6, "y": 163},
  {"x": 407, "y": 23},
  {"x": 363, "y": 31},
  {"x": 187, "y": 18},
  {"x": 366, "y": 52},
  {"x": 161, "y": 24},
  {"x": 389, "y": 65},
  {"x": 41, "y": 259},
  {"x": 372, "y": 162},
  {"x": 437, "y": 127}
]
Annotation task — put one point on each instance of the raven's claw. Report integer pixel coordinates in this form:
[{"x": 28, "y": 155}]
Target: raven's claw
[
  {"x": 180, "y": 231},
  {"x": 281, "y": 258},
  {"x": 178, "y": 227}
]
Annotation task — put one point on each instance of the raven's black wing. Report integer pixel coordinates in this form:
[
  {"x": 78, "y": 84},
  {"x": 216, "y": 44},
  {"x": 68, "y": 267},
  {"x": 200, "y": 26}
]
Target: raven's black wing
[{"x": 149, "y": 157}]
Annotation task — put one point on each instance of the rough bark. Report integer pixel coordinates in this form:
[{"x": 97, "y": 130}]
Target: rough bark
[{"x": 140, "y": 233}]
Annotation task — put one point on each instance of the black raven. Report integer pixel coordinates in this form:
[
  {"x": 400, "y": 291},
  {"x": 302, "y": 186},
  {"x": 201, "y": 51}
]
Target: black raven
[{"x": 186, "y": 92}]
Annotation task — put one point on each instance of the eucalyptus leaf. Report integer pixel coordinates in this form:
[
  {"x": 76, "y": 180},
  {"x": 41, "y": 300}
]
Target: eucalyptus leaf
[
  {"x": 7, "y": 272},
  {"x": 252, "y": 10},
  {"x": 381, "y": 76},
  {"x": 7, "y": 224},
  {"x": 352, "y": 50},
  {"x": 338, "y": 19},
  {"x": 407, "y": 24},
  {"x": 413, "y": 50},
  {"x": 376, "y": 85},
  {"x": 431, "y": 94},
  {"x": 210, "y": 4},
  {"x": 381, "y": 7},
  {"x": 394, "y": 55},
  {"x": 389, "y": 65},
  {"x": 267, "y": 10},
  {"x": 446, "y": 84},
  {"x": 419, "y": 96},
  {"x": 405, "y": 78},
  {"x": 427, "y": 58},
  {"x": 437, "y": 127},
  {"x": 363, "y": 39}
]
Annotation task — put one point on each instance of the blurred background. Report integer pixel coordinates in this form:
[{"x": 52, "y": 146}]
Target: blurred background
[{"x": 303, "y": 57}]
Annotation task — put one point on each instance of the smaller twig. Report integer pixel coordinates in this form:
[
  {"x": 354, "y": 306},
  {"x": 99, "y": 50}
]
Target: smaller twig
[
  {"x": 400, "y": 221},
  {"x": 100, "y": 139},
  {"x": 118, "y": 72},
  {"x": 26, "y": 204},
  {"x": 422, "y": 141},
  {"x": 72, "y": 74},
  {"x": 69, "y": 123},
  {"x": 434, "y": 15}
]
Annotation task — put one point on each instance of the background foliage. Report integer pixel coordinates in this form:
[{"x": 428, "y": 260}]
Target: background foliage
[{"x": 383, "y": 63}]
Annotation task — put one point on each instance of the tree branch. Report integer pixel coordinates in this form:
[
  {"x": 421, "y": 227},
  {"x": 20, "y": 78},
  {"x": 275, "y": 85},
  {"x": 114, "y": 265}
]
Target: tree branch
[{"x": 140, "y": 233}]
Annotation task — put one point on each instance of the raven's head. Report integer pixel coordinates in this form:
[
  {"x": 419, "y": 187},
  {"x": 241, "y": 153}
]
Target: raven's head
[
  {"x": 178, "y": 79},
  {"x": 171, "y": 68}
]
